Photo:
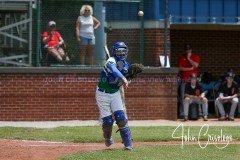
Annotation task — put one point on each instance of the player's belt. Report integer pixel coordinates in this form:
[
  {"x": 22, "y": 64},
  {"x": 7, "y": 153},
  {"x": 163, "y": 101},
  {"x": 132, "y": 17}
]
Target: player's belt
[{"x": 110, "y": 92}]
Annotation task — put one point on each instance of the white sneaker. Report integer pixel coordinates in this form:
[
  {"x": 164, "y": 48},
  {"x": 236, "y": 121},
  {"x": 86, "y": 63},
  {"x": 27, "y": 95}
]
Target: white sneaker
[{"x": 128, "y": 148}]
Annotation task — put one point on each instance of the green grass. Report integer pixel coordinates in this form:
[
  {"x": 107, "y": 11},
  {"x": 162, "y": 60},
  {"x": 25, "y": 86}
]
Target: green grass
[
  {"x": 189, "y": 152},
  {"x": 140, "y": 134},
  {"x": 94, "y": 133}
]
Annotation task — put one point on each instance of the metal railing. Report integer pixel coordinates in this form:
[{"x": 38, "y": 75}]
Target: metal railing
[
  {"x": 16, "y": 32},
  {"x": 203, "y": 20}
]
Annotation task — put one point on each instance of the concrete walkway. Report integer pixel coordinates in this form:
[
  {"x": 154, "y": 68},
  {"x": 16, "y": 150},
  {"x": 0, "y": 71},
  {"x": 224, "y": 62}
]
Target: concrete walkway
[{"x": 53, "y": 124}]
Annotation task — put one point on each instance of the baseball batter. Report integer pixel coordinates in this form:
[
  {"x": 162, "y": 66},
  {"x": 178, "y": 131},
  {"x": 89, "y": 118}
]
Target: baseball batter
[{"x": 108, "y": 96}]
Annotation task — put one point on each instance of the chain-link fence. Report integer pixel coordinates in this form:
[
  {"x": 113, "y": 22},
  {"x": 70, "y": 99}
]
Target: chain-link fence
[
  {"x": 120, "y": 23},
  {"x": 65, "y": 14},
  {"x": 21, "y": 41}
]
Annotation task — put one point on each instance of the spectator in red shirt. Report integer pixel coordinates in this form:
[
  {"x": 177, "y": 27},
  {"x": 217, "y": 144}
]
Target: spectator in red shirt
[
  {"x": 188, "y": 65},
  {"x": 53, "y": 42}
]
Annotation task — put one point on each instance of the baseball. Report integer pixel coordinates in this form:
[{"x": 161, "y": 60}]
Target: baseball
[{"x": 140, "y": 13}]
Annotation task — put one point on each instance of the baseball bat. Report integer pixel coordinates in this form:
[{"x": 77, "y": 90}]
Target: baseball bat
[{"x": 107, "y": 51}]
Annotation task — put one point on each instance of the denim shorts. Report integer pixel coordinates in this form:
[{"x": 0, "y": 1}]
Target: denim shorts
[{"x": 87, "y": 41}]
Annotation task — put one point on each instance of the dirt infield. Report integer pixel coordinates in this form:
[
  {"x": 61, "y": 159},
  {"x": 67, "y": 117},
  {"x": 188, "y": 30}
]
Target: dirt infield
[{"x": 39, "y": 150}]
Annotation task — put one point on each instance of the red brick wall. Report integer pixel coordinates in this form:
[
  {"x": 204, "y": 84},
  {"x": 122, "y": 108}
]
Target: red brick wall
[
  {"x": 131, "y": 37},
  {"x": 218, "y": 49},
  {"x": 153, "y": 44},
  {"x": 71, "y": 96}
]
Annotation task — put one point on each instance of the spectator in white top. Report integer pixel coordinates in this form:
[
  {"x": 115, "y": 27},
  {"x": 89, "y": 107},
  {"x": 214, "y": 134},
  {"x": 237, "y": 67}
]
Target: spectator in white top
[{"x": 85, "y": 26}]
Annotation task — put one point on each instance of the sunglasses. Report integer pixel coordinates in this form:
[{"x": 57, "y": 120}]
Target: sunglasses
[{"x": 86, "y": 10}]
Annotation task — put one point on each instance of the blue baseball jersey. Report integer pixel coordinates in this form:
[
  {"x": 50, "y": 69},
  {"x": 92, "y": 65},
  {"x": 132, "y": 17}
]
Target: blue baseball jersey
[{"x": 112, "y": 74}]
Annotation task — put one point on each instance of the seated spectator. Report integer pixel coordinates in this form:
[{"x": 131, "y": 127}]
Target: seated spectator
[
  {"x": 194, "y": 94},
  {"x": 54, "y": 43},
  {"x": 228, "y": 94},
  {"x": 237, "y": 80}
]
